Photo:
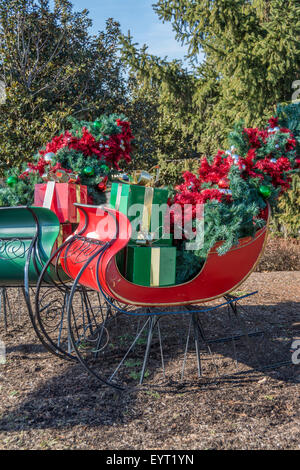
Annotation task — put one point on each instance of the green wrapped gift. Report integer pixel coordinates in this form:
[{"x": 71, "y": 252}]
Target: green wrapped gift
[
  {"x": 151, "y": 265},
  {"x": 141, "y": 241},
  {"x": 121, "y": 258},
  {"x": 150, "y": 219}
]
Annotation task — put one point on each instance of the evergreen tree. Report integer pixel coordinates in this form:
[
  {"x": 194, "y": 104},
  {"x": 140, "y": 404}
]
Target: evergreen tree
[
  {"x": 52, "y": 68},
  {"x": 286, "y": 216},
  {"x": 251, "y": 59},
  {"x": 161, "y": 100}
]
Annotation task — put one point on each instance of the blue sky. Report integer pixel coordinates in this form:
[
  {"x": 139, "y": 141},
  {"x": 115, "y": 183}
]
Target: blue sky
[{"x": 139, "y": 17}]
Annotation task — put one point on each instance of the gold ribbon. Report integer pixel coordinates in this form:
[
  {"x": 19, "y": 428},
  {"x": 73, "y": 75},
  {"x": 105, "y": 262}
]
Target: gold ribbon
[
  {"x": 145, "y": 238},
  {"x": 155, "y": 267},
  {"x": 78, "y": 200},
  {"x": 142, "y": 177},
  {"x": 60, "y": 238},
  {"x": 147, "y": 212},
  {"x": 62, "y": 176},
  {"x": 59, "y": 176},
  {"x": 139, "y": 177},
  {"x": 72, "y": 178}
]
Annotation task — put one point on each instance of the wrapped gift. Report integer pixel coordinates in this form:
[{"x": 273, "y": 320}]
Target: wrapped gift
[
  {"x": 150, "y": 223},
  {"x": 65, "y": 231},
  {"x": 151, "y": 265},
  {"x": 148, "y": 239},
  {"x": 121, "y": 259},
  {"x": 60, "y": 198}
]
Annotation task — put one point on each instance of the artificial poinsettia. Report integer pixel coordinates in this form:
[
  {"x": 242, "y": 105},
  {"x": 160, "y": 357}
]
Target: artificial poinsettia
[
  {"x": 110, "y": 150},
  {"x": 234, "y": 185},
  {"x": 255, "y": 136},
  {"x": 217, "y": 170},
  {"x": 89, "y": 150}
]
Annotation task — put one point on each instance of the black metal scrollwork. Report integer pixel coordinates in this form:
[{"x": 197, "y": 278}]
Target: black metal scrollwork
[
  {"x": 11, "y": 249},
  {"x": 83, "y": 248}
]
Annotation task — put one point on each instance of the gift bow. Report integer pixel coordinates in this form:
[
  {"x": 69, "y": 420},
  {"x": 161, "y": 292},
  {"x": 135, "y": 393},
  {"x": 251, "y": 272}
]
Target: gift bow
[
  {"x": 147, "y": 238},
  {"x": 60, "y": 176},
  {"x": 142, "y": 177}
]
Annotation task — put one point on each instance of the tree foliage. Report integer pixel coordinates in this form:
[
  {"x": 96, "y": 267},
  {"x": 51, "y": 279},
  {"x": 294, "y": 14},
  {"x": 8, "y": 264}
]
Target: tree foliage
[
  {"x": 251, "y": 59},
  {"x": 165, "y": 90},
  {"x": 52, "y": 68},
  {"x": 286, "y": 217}
]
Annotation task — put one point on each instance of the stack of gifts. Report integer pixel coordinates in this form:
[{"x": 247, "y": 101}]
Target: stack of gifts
[
  {"x": 150, "y": 258},
  {"x": 59, "y": 194}
]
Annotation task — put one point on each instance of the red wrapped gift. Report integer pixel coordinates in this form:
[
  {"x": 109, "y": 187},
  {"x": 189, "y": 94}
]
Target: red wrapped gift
[
  {"x": 65, "y": 231},
  {"x": 60, "y": 198}
]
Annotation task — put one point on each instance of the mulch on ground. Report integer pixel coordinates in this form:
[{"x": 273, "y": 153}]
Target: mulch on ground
[
  {"x": 280, "y": 255},
  {"x": 48, "y": 403}
]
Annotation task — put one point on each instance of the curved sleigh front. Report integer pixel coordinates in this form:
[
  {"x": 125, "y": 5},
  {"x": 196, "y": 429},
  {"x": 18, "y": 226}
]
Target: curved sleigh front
[
  {"x": 98, "y": 269},
  {"x": 27, "y": 237}
]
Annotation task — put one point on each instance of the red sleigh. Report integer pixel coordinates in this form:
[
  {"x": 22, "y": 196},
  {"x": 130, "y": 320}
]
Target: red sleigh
[
  {"x": 219, "y": 276},
  {"x": 111, "y": 325}
]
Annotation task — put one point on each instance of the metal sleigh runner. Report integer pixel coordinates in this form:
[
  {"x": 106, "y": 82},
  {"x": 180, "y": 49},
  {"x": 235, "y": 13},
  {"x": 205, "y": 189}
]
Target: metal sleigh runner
[{"x": 119, "y": 330}]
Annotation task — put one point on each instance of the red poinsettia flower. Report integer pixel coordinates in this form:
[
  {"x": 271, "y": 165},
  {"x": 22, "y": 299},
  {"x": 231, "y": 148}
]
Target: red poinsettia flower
[
  {"x": 276, "y": 170},
  {"x": 273, "y": 122},
  {"x": 291, "y": 144},
  {"x": 118, "y": 146},
  {"x": 112, "y": 150},
  {"x": 217, "y": 170},
  {"x": 285, "y": 130}
]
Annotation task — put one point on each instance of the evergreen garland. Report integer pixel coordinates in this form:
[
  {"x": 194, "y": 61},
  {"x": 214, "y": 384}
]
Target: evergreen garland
[
  {"x": 90, "y": 150},
  {"x": 234, "y": 186},
  {"x": 102, "y": 128},
  {"x": 72, "y": 159},
  {"x": 289, "y": 117},
  {"x": 21, "y": 194}
]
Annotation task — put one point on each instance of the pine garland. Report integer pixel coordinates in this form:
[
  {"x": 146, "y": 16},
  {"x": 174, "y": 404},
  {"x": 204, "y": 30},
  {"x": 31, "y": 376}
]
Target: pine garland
[
  {"x": 21, "y": 194},
  {"x": 286, "y": 216},
  {"x": 234, "y": 186},
  {"x": 105, "y": 127},
  {"x": 90, "y": 150}
]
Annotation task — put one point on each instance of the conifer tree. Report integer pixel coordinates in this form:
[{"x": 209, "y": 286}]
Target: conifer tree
[
  {"x": 52, "y": 68},
  {"x": 251, "y": 59},
  {"x": 286, "y": 216}
]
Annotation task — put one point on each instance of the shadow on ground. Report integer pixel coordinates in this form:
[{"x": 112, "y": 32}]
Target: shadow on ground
[{"x": 60, "y": 394}]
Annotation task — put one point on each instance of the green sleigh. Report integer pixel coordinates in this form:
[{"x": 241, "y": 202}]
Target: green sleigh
[
  {"x": 27, "y": 240},
  {"x": 27, "y": 237}
]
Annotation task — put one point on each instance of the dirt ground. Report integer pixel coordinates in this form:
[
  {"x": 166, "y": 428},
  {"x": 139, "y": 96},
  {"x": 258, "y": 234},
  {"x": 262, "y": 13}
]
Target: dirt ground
[{"x": 48, "y": 403}]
